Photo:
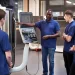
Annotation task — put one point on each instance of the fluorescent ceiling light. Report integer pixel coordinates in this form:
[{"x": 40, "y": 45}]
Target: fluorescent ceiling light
[
  {"x": 73, "y": 3},
  {"x": 68, "y": 2},
  {"x": 1, "y": 7},
  {"x": 16, "y": 3}
]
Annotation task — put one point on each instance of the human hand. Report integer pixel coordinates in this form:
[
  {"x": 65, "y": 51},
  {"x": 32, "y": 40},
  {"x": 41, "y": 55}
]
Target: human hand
[
  {"x": 72, "y": 48},
  {"x": 10, "y": 65},
  {"x": 64, "y": 35},
  {"x": 45, "y": 37},
  {"x": 18, "y": 23}
]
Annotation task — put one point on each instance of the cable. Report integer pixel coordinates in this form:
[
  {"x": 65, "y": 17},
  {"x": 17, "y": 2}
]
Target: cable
[
  {"x": 37, "y": 69},
  {"x": 38, "y": 58}
]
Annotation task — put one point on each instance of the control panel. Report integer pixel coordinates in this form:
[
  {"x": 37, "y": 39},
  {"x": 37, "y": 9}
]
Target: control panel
[{"x": 28, "y": 34}]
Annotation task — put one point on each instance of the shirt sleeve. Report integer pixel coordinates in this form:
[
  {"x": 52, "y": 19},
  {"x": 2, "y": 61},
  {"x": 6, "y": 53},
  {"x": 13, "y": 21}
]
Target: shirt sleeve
[
  {"x": 38, "y": 24},
  {"x": 71, "y": 31},
  {"x": 5, "y": 43},
  {"x": 57, "y": 27}
]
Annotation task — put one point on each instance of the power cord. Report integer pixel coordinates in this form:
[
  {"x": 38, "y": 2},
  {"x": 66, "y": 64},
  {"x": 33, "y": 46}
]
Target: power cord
[{"x": 37, "y": 69}]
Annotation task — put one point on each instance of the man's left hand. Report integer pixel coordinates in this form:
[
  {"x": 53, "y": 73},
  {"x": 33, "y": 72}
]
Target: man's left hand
[{"x": 10, "y": 65}]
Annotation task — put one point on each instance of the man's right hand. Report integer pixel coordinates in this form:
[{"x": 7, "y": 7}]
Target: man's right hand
[
  {"x": 9, "y": 58},
  {"x": 63, "y": 36},
  {"x": 72, "y": 48},
  {"x": 10, "y": 65},
  {"x": 18, "y": 23}
]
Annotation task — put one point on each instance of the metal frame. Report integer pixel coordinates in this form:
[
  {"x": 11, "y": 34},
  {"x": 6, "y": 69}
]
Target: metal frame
[{"x": 56, "y": 7}]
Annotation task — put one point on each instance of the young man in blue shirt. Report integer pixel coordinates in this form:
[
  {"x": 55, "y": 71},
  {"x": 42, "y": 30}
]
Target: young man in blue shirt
[
  {"x": 5, "y": 53},
  {"x": 69, "y": 37},
  {"x": 50, "y": 30}
]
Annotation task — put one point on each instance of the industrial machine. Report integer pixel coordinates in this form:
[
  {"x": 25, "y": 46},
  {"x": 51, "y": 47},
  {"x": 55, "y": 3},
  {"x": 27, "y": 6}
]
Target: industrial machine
[
  {"x": 10, "y": 29},
  {"x": 27, "y": 33}
]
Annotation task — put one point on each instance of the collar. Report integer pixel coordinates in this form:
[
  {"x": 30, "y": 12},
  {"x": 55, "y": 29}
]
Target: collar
[
  {"x": 71, "y": 20},
  {"x": 50, "y": 20}
]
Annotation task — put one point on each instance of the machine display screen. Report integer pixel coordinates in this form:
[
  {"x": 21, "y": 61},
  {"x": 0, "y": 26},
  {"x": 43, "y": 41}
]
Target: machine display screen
[{"x": 25, "y": 17}]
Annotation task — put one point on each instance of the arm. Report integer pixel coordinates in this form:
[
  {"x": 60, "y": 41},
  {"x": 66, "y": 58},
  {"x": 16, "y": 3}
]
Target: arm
[
  {"x": 37, "y": 24},
  {"x": 6, "y": 47},
  {"x": 57, "y": 30},
  {"x": 67, "y": 37},
  {"x": 27, "y": 24},
  {"x": 71, "y": 33},
  {"x": 9, "y": 58},
  {"x": 52, "y": 36},
  {"x": 57, "y": 34}
]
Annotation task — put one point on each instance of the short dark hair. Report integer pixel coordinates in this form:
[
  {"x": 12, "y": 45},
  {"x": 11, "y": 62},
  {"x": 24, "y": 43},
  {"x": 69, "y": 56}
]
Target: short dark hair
[
  {"x": 69, "y": 12},
  {"x": 2, "y": 14},
  {"x": 50, "y": 10}
]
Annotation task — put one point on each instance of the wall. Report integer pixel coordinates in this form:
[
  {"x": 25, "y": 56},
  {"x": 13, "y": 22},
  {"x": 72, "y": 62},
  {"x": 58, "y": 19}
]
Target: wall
[
  {"x": 25, "y": 5},
  {"x": 34, "y": 7}
]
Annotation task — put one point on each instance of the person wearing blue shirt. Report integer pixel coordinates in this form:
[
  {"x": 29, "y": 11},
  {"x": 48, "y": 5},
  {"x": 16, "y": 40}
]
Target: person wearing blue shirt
[
  {"x": 69, "y": 37},
  {"x": 5, "y": 48},
  {"x": 50, "y": 30}
]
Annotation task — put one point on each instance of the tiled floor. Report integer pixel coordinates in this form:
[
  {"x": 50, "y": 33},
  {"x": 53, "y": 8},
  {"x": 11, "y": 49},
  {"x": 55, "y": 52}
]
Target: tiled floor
[{"x": 33, "y": 62}]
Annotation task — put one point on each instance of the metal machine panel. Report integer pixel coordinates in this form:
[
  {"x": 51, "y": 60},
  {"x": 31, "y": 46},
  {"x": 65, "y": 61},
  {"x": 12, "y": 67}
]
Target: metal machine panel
[
  {"x": 25, "y": 17},
  {"x": 28, "y": 34}
]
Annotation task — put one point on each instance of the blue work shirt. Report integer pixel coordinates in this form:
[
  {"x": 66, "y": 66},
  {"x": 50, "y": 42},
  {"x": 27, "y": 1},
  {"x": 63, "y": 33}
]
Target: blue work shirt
[
  {"x": 69, "y": 30},
  {"x": 48, "y": 28},
  {"x": 4, "y": 46},
  {"x": 74, "y": 54}
]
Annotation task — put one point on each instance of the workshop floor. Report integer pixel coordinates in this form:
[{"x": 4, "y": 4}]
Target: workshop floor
[{"x": 33, "y": 62}]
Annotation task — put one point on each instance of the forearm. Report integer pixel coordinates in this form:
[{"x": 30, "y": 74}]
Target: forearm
[
  {"x": 67, "y": 38},
  {"x": 55, "y": 35},
  {"x": 8, "y": 57},
  {"x": 28, "y": 24}
]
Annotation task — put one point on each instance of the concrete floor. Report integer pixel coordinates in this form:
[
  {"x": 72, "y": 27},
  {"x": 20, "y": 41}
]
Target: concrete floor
[{"x": 33, "y": 62}]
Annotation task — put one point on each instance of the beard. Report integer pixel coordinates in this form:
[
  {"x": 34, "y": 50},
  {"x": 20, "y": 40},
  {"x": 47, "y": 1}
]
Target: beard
[{"x": 48, "y": 19}]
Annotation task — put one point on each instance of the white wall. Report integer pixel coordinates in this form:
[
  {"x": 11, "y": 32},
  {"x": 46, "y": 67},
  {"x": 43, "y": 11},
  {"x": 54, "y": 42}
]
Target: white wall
[
  {"x": 43, "y": 8},
  {"x": 34, "y": 7},
  {"x": 56, "y": 2}
]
